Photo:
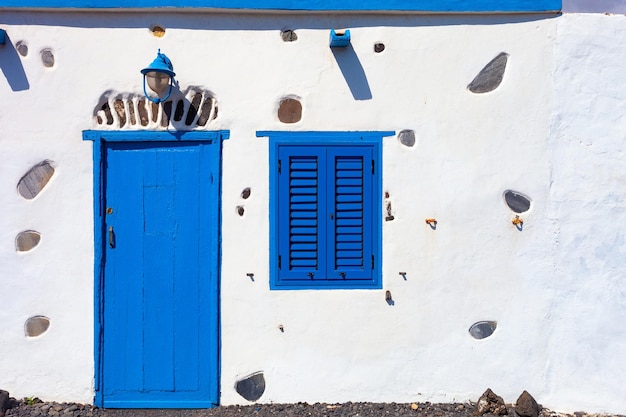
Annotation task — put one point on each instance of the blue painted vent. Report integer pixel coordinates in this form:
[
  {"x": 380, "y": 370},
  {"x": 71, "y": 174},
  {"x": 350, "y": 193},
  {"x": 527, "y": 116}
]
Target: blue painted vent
[{"x": 193, "y": 109}]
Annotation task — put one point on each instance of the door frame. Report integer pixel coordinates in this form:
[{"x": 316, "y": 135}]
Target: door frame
[{"x": 100, "y": 138}]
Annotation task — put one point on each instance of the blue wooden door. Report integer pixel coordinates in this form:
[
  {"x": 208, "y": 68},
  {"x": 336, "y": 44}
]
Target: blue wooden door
[{"x": 160, "y": 284}]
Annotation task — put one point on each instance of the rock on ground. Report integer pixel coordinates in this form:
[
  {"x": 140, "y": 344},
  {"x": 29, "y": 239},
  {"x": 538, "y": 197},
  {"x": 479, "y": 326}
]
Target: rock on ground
[
  {"x": 526, "y": 406},
  {"x": 490, "y": 403}
]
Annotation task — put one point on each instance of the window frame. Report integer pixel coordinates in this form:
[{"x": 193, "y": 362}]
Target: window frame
[{"x": 368, "y": 141}]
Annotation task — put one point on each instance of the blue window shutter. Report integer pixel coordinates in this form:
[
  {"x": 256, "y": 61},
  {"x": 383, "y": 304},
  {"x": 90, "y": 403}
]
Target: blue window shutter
[
  {"x": 325, "y": 210},
  {"x": 301, "y": 205},
  {"x": 351, "y": 205}
]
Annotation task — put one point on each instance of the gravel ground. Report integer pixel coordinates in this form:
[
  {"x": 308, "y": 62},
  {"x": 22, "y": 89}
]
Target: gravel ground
[{"x": 23, "y": 409}]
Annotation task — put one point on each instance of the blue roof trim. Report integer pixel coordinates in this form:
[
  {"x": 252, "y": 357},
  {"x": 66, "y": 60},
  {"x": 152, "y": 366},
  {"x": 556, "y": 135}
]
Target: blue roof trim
[{"x": 428, "y": 6}]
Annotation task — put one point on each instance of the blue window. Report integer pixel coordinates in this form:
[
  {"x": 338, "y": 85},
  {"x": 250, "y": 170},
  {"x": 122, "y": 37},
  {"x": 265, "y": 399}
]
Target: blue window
[{"x": 326, "y": 208}]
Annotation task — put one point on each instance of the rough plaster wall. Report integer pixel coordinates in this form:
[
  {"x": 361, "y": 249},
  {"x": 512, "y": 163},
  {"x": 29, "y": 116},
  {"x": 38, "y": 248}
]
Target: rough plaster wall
[
  {"x": 337, "y": 345},
  {"x": 344, "y": 345},
  {"x": 587, "y": 317},
  {"x": 351, "y": 345}
]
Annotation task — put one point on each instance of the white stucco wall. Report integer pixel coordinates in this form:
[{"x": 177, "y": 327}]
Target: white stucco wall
[
  {"x": 587, "y": 327},
  {"x": 552, "y": 130}
]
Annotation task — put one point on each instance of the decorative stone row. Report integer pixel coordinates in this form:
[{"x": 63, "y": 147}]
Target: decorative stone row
[{"x": 185, "y": 110}]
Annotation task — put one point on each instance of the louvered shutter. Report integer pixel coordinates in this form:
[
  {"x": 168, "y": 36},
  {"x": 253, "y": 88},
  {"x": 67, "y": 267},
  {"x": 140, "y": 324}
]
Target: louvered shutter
[
  {"x": 325, "y": 200},
  {"x": 350, "y": 204},
  {"x": 301, "y": 205}
]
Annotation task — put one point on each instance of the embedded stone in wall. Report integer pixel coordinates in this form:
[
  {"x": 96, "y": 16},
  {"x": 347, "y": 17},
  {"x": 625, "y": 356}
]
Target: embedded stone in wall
[
  {"x": 379, "y": 47},
  {"x": 517, "y": 201},
  {"x": 47, "y": 58},
  {"x": 205, "y": 111},
  {"x": 490, "y": 77},
  {"x": 389, "y": 217},
  {"x": 106, "y": 109},
  {"x": 194, "y": 107},
  {"x": 118, "y": 105},
  {"x": 289, "y": 110},
  {"x": 157, "y": 31},
  {"x": 482, "y": 329},
  {"x": 35, "y": 180},
  {"x": 407, "y": 138},
  {"x": 240, "y": 210},
  {"x": 143, "y": 112},
  {"x": 27, "y": 240},
  {"x": 245, "y": 194},
  {"x": 22, "y": 48},
  {"x": 36, "y": 326},
  {"x": 289, "y": 35},
  {"x": 155, "y": 111},
  {"x": 131, "y": 114},
  {"x": 167, "y": 114},
  {"x": 180, "y": 110},
  {"x": 251, "y": 387}
]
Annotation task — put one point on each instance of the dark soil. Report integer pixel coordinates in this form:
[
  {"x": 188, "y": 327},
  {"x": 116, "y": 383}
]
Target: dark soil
[
  {"x": 26, "y": 408},
  {"x": 23, "y": 409}
]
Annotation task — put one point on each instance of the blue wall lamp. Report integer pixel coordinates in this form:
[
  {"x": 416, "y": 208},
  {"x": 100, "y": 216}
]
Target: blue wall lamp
[
  {"x": 160, "y": 75},
  {"x": 339, "y": 39}
]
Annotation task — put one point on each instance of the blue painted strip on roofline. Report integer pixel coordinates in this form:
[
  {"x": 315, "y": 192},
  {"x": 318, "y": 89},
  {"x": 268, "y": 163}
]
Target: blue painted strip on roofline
[
  {"x": 99, "y": 137},
  {"x": 426, "y": 6}
]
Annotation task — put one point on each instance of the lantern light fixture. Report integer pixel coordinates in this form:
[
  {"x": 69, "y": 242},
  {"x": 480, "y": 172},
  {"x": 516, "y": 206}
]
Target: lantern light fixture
[{"x": 160, "y": 77}]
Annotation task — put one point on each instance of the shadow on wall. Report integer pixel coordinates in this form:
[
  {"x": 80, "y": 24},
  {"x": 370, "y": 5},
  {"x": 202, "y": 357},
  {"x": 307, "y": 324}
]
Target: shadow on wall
[
  {"x": 12, "y": 68},
  {"x": 353, "y": 72},
  {"x": 251, "y": 21}
]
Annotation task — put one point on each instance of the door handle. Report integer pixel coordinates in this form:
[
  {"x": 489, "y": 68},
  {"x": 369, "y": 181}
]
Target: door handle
[{"x": 111, "y": 237}]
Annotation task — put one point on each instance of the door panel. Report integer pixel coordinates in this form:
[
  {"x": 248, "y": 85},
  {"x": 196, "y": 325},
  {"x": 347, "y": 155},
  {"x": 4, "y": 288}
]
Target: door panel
[{"x": 160, "y": 342}]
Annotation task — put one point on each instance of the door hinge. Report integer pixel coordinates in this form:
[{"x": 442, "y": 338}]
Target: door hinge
[
  {"x": 373, "y": 162},
  {"x": 279, "y": 166},
  {"x": 280, "y": 262},
  {"x": 372, "y": 261}
]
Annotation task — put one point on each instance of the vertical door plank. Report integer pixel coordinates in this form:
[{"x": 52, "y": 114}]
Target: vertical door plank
[
  {"x": 159, "y": 231},
  {"x": 124, "y": 345}
]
